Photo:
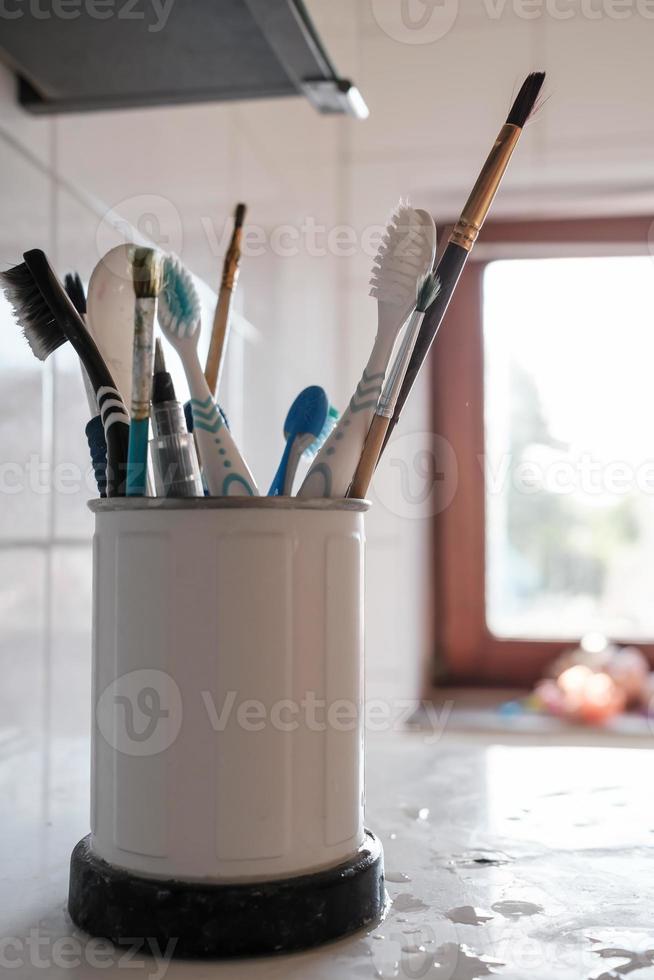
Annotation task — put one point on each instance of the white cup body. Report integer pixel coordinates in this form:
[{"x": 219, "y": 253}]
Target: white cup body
[{"x": 228, "y": 686}]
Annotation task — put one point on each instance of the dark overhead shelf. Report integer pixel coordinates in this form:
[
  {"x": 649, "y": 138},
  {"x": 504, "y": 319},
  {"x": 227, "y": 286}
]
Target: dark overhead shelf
[{"x": 192, "y": 51}]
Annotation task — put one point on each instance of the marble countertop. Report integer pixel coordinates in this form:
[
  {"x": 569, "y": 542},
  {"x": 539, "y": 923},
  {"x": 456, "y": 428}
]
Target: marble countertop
[{"x": 510, "y": 860}]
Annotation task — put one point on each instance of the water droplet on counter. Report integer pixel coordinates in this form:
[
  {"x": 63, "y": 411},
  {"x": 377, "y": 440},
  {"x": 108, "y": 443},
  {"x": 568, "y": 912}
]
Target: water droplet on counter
[
  {"x": 417, "y": 812},
  {"x": 388, "y": 970},
  {"x": 464, "y": 963},
  {"x": 468, "y": 915},
  {"x": 408, "y": 903},
  {"x": 481, "y": 858},
  {"x": 516, "y": 910},
  {"x": 634, "y": 961},
  {"x": 413, "y": 948},
  {"x": 396, "y": 876}
]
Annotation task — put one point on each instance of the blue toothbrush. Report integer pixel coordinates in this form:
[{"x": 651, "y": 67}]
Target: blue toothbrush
[{"x": 309, "y": 421}]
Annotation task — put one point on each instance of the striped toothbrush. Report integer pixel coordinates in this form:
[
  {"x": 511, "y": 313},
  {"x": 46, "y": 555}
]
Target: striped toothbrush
[
  {"x": 225, "y": 470},
  {"x": 404, "y": 256}
]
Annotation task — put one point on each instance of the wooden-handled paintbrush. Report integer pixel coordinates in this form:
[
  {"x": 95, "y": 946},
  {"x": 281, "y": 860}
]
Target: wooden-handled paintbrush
[
  {"x": 146, "y": 281},
  {"x": 466, "y": 230},
  {"x": 219, "y": 331}
]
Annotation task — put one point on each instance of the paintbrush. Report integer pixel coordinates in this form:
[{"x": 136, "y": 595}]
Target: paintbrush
[
  {"x": 146, "y": 281},
  {"x": 465, "y": 232},
  {"x": 220, "y": 329}
]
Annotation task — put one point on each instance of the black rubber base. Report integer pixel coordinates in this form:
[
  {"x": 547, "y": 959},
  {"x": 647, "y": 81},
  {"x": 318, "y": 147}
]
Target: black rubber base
[{"x": 226, "y": 920}]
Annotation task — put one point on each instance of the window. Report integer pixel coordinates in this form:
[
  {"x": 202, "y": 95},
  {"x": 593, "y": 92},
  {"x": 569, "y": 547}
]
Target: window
[{"x": 543, "y": 388}]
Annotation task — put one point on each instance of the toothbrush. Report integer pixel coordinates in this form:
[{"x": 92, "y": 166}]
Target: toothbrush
[
  {"x": 49, "y": 319},
  {"x": 220, "y": 329},
  {"x": 225, "y": 470},
  {"x": 427, "y": 291},
  {"x": 146, "y": 280},
  {"x": 93, "y": 430},
  {"x": 176, "y": 466},
  {"x": 406, "y": 253},
  {"x": 311, "y": 450},
  {"x": 308, "y": 423},
  {"x": 110, "y": 314}
]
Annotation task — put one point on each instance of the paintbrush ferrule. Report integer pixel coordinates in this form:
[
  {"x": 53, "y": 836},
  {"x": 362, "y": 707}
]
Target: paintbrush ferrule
[{"x": 467, "y": 228}]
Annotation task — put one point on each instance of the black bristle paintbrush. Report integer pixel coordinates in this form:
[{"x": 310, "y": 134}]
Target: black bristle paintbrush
[
  {"x": 465, "y": 232},
  {"x": 48, "y": 319},
  {"x": 75, "y": 292}
]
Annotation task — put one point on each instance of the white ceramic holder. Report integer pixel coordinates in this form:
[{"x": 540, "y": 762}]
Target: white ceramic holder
[{"x": 227, "y": 753}]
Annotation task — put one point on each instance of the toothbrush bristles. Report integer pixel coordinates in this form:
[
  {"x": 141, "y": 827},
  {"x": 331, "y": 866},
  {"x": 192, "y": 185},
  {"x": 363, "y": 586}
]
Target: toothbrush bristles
[
  {"x": 40, "y": 329},
  {"x": 399, "y": 259},
  {"x": 179, "y": 306}
]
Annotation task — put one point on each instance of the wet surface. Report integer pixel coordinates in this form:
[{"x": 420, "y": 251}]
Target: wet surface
[
  {"x": 503, "y": 861},
  {"x": 468, "y": 915}
]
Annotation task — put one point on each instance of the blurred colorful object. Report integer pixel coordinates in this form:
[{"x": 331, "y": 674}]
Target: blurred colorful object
[{"x": 594, "y": 682}]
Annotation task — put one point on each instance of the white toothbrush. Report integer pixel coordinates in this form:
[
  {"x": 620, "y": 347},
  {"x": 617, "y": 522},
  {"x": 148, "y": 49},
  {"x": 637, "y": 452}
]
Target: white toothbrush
[
  {"x": 224, "y": 469},
  {"x": 405, "y": 255}
]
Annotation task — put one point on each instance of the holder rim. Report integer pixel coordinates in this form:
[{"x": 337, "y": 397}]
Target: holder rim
[
  {"x": 103, "y": 505},
  {"x": 225, "y": 920}
]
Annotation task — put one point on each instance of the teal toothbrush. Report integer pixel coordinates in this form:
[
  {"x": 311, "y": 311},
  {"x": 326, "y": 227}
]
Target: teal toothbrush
[
  {"x": 225, "y": 471},
  {"x": 309, "y": 421}
]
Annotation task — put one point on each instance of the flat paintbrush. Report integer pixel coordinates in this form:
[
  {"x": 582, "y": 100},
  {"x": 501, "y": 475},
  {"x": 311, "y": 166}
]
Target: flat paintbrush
[{"x": 466, "y": 230}]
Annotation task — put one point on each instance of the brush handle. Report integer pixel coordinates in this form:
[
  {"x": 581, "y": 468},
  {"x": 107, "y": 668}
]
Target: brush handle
[
  {"x": 188, "y": 415},
  {"x": 332, "y": 470},
  {"x": 369, "y": 457},
  {"x": 224, "y": 468},
  {"x": 142, "y": 362},
  {"x": 299, "y": 446},
  {"x": 279, "y": 479},
  {"x": 448, "y": 271},
  {"x": 137, "y": 457},
  {"x": 218, "y": 344},
  {"x": 115, "y": 418},
  {"x": 98, "y": 449},
  {"x": 143, "y": 356},
  {"x": 282, "y": 484}
]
